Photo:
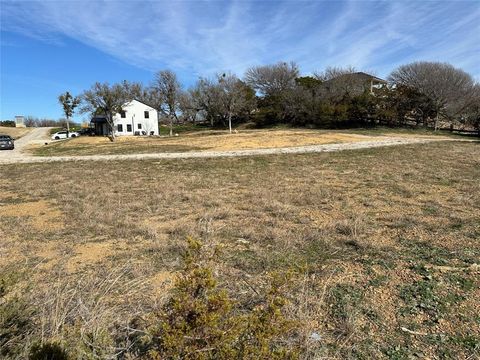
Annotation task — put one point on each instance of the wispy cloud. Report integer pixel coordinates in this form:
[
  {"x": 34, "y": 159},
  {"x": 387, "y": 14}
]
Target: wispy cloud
[{"x": 200, "y": 38}]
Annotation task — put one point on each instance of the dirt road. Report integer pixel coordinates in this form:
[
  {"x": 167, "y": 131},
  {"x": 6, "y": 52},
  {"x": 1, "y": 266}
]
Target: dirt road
[
  {"x": 19, "y": 157},
  {"x": 35, "y": 136}
]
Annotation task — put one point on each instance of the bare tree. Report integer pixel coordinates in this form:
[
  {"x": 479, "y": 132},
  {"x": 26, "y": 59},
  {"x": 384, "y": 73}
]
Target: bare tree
[
  {"x": 189, "y": 104},
  {"x": 223, "y": 98},
  {"x": 471, "y": 115},
  {"x": 105, "y": 100},
  {"x": 32, "y": 121},
  {"x": 449, "y": 88},
  {"x": 234, "y": 96},
  {"x": 166, "y": 88},
  {"x": 207, "y": 95},
  {"x": 69, "y": 103},
  {"x": 271, "y": 80},
  {"x": 135, "y": 90},
  {"x": 333, "y": 72}
]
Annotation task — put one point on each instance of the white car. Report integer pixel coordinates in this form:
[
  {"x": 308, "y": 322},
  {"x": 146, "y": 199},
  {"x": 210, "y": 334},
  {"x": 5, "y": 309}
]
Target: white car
[{"x": 63, "y": 135}]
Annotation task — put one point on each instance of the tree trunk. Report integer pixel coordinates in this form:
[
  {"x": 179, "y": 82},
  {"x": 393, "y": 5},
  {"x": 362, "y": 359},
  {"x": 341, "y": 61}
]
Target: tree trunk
[
  {"x": 171, "y": 126},
  {"x": 230, "y": 122},
  {"x": 68, "y": 128},
  {"x": 111, "y": 125},
  {"x": 425, "y": 122}
]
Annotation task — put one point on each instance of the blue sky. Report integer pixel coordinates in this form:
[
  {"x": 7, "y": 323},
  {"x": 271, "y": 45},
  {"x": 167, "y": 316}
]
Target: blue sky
[{"x": 48, "y": 47}]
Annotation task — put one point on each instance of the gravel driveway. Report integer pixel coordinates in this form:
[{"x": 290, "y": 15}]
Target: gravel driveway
[
  {"x": 19, "y": 157},
  {"x": 35, "y": 136}
]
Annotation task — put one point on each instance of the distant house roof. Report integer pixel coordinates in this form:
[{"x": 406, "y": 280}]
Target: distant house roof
[{"x": 359, "y": 76}]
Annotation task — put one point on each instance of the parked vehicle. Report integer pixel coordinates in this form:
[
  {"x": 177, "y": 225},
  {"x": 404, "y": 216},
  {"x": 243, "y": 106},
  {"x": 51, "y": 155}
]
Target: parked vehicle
[
  {"x": 63, "y": 135},
  {"x": 6, "y": 142},
  {"x": 87, "y": 131}
]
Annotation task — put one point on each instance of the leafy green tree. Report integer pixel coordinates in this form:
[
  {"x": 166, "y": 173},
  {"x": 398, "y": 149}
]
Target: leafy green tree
[{"x": 308, "y": 83}]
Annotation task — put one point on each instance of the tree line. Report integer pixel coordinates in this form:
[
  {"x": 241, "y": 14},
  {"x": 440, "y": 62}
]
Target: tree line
[
  {"x": 33, "y": 121},
  {"x": 429, "y": 94}
]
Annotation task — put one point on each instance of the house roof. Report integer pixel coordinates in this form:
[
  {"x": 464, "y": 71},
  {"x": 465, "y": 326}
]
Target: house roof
[
  {"x": 144, "y": 103},
  {"x": 102, "y": 118},
  {"x": 360, "y": 76},
  {"x": 98, "y": 119}
]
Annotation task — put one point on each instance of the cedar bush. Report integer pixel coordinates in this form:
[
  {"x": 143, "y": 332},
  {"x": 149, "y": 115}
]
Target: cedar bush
[
  {"x": 200, "y": 321},
  {"x": 48, "y": 351}
]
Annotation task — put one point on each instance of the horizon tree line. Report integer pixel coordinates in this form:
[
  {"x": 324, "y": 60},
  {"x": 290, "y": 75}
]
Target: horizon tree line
[{"x": 418, "y": 94}]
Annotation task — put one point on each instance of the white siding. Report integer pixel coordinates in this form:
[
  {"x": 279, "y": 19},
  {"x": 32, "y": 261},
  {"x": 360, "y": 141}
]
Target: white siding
[{"x": 135, "y": 119}]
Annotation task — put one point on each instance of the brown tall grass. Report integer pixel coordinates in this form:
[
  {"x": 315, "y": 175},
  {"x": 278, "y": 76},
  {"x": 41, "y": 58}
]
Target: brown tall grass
[{"x": 382, "y": 240}]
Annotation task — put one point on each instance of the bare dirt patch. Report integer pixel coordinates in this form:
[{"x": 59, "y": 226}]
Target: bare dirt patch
[
  {"x": 162, "y": 282},
  {"x": 90, "y": 253},
  {"x": 42, "y": 215}
]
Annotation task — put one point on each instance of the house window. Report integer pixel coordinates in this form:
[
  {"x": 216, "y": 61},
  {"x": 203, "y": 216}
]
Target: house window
[
  {"x": 129, "y": 128},
  {"x": 123, "y": 115},
  {"x": 146, "y": 114},
  {"x": 120, "y": 128},
  {"x": 139, "y": 126}
]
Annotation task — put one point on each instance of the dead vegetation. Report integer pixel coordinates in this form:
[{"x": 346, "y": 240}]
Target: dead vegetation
[
  {"x": 14, "y": 132},
  {"x": 383, "y": 244},
  {"x": 197, "y": 141}
]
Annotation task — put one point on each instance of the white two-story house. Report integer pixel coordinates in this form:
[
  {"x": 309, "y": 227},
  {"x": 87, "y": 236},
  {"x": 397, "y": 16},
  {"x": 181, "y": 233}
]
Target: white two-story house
[{"x": 136, "y": 118}]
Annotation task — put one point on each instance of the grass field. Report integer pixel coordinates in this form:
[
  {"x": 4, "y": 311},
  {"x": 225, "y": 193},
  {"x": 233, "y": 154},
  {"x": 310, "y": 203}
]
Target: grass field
[
  {"x": 210, "y": 140},
  {"x": 196, "y": 141},
  {"x": 14, "y": 132},
  {"x": 384, "y": 244}
]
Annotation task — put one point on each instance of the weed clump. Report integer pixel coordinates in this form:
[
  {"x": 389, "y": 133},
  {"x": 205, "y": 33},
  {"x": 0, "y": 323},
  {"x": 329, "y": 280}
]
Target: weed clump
[{"x": 48, "y": 351}]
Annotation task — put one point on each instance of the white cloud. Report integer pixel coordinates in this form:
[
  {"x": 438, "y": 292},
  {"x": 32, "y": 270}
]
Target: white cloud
[{"x": 200, "y": 38}]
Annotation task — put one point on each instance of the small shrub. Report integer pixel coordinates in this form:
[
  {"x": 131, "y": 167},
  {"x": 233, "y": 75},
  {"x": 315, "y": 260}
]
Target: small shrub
[
  {"x": 15, "y": 316},
  {"x": 15, "y": 325},
  {"x": 48, "y": 351},
  {"x": 200, "y": 320}
]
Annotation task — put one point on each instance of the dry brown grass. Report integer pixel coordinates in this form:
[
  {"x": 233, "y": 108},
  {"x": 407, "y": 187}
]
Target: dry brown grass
[
  {"x": 365, "y": 230},
  {"x": 14, "y": 132},
  {"x": 198, "y": 141}
]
